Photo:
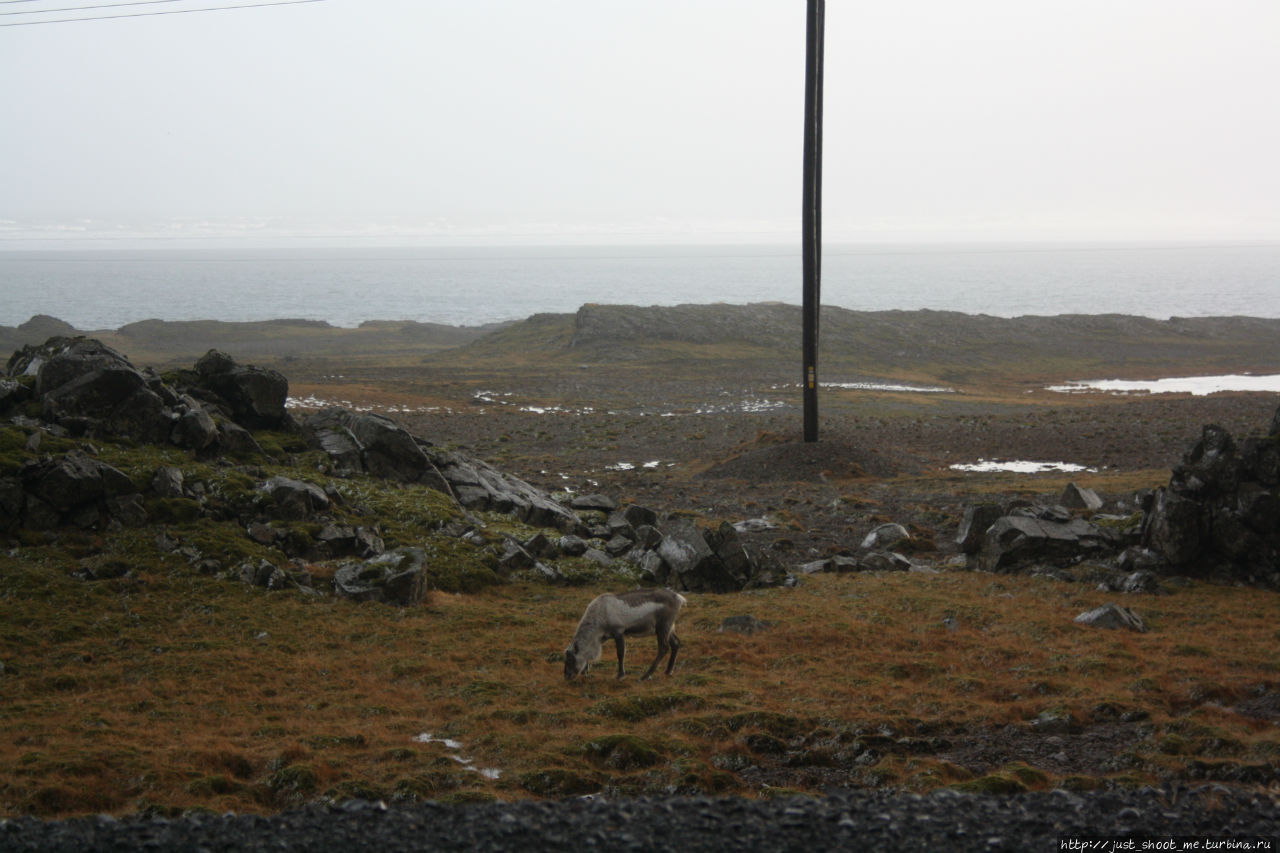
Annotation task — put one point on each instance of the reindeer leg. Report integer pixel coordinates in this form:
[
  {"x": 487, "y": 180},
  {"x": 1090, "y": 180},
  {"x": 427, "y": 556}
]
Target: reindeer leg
[
  {"x": 662, "y": 651},
  {"x": 621, "y": 643},
  {"x": 675, "y": 648}
]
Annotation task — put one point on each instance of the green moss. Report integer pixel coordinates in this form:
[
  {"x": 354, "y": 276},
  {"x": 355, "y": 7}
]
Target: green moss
[
  {"x": 993, "y": 783},
  {"x": 296, "y": 779},
  {"x": 335, "y": 741},
  {"x": 1030, "y": 777},
  {"x": 633, "y": 709},
  {"x": 456, "y": 566},
  {"x": 621, "y": 752},
  {"x": 466, "y": 797},
  {"x": 778, "y": 725},
  {"x": 172, "y": 510},
  {"x": 558, "y": 782},
  {"x": 213, "y": 785},
  {"x": 1080, "y": 784}
]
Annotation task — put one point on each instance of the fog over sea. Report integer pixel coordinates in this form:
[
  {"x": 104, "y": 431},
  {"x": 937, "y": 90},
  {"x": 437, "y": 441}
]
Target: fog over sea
[{"x": 106, "y": 289}]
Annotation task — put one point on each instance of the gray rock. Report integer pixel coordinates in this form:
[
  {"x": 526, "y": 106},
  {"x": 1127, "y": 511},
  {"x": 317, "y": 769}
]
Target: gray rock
[
  {"x": 884, "y": 561},
  {"x": 194, "y": 428},
  {"x": 255, "y": 395},
  {"x": 12, "y": 499},
  {"x": 1076, "y": 497},
  {"x": 345, "y": 539},
  {"x": 12, "y": 393},
  {"x": 618, "y": 545},
  {"x": 1112, "y": 617},
  {"x": 295, "y": 499},
  {"x": 638, "y": 516},
  {"x": 977, "y": 520},
  {"x": 572, "y": 546},
  {"x": 744, "y": 624},
  {"x": 754, "y": 525},
  {"x": 397, "y": 577},
  {"x": 1015, "y": 541},
  {"x": 1144, "y": 582},
  {"x": 885, "y": 536},
  {"x": 692, "y": 564},
  {"x": 167, "y": 482},
  {"x": 73, "y": 480},
  {"x": 262, "y": 573},
  {"x": 603, "y": 503}
]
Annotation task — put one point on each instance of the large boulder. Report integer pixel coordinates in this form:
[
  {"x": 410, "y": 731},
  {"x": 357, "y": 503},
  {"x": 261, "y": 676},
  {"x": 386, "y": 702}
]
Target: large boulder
[
  {"x": 361, "y": 442},
  {"x": 1016, "y": 542},
  {"x": 1220, "y": 514},
  {"x": 89, "y": 388},
  {"x": 397, "y": 577},
  {"x": 977, "y": 520},
  {"x": 255, "y": 396},
  {"x": 716, "y": 560},
  {"x": 72, "y": 489},
  {"x": 295, "y": 499}
]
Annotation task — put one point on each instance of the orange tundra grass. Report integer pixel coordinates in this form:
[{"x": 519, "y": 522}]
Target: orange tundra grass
[{"x": 167, "y": 691}]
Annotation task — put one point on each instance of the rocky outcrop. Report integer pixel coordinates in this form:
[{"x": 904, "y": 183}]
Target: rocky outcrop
[
  {"x": 85, "y": 388},
  {"x": 254, "y": 395},
  {"x": 1035, "y": 537},
  {"x": 73, "y": 490},
  {"x": 82, "y": 388},
  {"x": 397, "y": 577},
  {"x": 359, "y": 442},
  {"x": 1220, "y": 514},
  {"x": 1218, "y": 518}
]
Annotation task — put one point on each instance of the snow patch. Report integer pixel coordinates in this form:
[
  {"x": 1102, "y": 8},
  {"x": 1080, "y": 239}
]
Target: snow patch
[{"x": 1195, "y": 385}]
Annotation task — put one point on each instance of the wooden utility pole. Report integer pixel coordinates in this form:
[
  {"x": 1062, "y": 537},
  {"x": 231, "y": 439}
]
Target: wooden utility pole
[{"x": 811, "y": 217}]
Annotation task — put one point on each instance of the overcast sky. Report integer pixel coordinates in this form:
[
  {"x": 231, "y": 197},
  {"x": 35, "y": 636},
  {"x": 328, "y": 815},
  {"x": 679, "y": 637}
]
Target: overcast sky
[{"x": 641, "y": 121}]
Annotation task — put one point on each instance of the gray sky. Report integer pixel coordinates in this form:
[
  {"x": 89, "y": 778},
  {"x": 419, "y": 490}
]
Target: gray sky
[{"x": 402, "y": 121}]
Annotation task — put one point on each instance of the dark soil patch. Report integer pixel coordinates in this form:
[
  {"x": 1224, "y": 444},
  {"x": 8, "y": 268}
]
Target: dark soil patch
[
  {"x": 772, "y": 457},
  {"x": 1093, "y": 751}
]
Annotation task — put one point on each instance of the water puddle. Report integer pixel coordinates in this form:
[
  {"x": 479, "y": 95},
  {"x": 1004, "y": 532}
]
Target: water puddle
[
  {"x": 1019, "y": 466},
  {"x": 1197, "y": 386},
  {"x": 453, "y": 746}
]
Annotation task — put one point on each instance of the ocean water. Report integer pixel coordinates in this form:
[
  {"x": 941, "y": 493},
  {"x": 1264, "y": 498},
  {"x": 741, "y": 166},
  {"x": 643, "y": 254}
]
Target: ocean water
[{"x": 95, "y": 290}]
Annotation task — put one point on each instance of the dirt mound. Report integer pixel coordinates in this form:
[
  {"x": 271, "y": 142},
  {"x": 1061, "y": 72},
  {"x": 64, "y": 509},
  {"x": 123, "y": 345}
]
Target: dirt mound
[{"x": 772, "y": 457}]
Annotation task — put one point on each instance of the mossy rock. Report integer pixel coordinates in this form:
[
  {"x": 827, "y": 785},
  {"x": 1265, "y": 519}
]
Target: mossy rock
[
  {"x": 780, "y": 792},
  {"x": 213, "y": 786},
  {"x": 633, "y": 709},
  {"x": 558, "y": 782},
  {"x": 711, "y": 727},
  {"x": 335, "y": 741},
  {"x": 458, "y": 798},
  {"x": 1031, "y": 777},
  {"x": 297, "y": 779},
  {"x": 354, "y": 789},
  {"x": 992, "y": 783},
  {"x": 426, "y": 786},
  {"x": 764, "y": 744},
  {"x": 778, "y": 725},
  {"x": 1081, "y": 784},
  {"x": 173, "y": 510},
  {"x": 621, "y": 752}
]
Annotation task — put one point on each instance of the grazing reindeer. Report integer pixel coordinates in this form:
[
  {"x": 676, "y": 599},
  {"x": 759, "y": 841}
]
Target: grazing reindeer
[{"x": 614, "y": 616}]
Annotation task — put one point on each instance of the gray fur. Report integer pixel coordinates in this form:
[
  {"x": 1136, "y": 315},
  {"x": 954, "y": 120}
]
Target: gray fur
[{"x": 614, "y": 616}]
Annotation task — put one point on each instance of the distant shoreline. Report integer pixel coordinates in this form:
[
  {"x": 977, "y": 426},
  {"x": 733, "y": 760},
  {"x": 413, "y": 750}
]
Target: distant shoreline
[
  {"x": 760, "y": 340},
  {"x": 469, "y": 286}
]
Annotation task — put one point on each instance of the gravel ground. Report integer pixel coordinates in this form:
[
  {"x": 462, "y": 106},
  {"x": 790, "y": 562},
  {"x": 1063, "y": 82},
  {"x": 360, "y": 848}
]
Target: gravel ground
[{"x": 942, "y": 820}]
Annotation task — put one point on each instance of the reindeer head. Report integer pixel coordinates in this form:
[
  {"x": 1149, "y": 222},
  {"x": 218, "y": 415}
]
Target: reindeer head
[{"x": 574, "y": 663}]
